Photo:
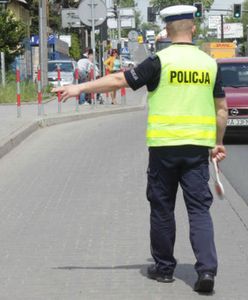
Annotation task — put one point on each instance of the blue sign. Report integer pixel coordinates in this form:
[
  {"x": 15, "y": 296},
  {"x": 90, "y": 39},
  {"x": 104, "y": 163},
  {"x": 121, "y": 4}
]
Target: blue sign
[
  {"x": 34, "y": 40},
  {"x": 124, "y": 50}
]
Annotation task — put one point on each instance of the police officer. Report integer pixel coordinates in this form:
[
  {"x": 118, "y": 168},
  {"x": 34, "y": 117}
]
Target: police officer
[{"x": 187, "y": 117}]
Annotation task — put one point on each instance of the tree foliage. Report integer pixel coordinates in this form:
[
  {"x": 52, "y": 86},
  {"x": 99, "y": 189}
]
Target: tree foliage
[
  {"x": 150, "y": 26},
  {"x": 12, "y": 33},
  {"x": 75, "y": 50},
  {"x": 164, "y": 3}
]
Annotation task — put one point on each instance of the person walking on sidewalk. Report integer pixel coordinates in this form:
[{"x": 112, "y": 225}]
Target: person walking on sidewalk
[
  {"x": 186, "y": 118},
  {"x": 113, "y": 65}
]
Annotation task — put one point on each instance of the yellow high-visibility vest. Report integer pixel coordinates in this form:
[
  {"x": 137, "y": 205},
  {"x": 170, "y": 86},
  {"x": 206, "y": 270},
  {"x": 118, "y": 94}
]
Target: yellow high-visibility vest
[{"x": 181, "y": 109}]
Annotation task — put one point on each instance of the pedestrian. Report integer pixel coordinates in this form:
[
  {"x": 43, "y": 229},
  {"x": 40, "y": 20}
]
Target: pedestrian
[
  {"x": 84, "y": 65},
  {"x": 113, "y": 65},
  {"x": 186, "y": 118}
]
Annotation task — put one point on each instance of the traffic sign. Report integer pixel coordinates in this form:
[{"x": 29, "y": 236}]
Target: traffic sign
[
  {"x": 70, "y": 18},
  {"x": 124, "y": 51},
  {"x": 133, "y": 36},
  {"x": 86, "y": 12},
  {"x": 213, "y": 22},
  {"x": 231, "y": 30}
]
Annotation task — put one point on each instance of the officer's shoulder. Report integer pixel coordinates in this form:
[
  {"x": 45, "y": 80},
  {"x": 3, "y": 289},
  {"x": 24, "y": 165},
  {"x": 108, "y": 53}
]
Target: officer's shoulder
[{"x": 153, "y": 57}]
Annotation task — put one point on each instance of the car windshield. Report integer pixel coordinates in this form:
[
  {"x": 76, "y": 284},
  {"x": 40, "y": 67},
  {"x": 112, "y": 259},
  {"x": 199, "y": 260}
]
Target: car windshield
[
  {"x": 64, "y": 66},
  {"x": 234, "y": 74}
]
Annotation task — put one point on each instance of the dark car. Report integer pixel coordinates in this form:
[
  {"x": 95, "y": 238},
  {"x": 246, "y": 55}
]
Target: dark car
[{"x": 234, "y": 73}]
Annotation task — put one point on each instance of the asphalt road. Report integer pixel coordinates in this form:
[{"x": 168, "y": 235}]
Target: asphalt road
[{"x": 234, "y": 167}]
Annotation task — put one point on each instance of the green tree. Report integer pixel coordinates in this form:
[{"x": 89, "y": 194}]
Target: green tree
[
  {"x": 75, "y": 50},
  {"x": 164, "y": 3},
  {"x": 150, "y": 26},
  {"x": 12, "y": 33}
]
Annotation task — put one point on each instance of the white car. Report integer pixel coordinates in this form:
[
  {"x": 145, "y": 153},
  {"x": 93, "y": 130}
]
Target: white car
[
  {"x": 67, "y": 72},
  {"x": 126, "y": 62}
]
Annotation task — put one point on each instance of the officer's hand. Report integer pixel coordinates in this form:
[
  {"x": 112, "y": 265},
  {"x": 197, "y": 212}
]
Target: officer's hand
[
  {"x": 67, "y": 91},
  {"x": 219, "y": 152}
]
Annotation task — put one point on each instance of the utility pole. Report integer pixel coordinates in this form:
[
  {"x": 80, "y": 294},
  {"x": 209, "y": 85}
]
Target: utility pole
[
  {"x": 3, "y": 68},
  {"x": 2, "y": 53},
  {"x": 119, "y": 23},
  {"x": 222, "y": 27},
  {"x": 43, "y": 41}
]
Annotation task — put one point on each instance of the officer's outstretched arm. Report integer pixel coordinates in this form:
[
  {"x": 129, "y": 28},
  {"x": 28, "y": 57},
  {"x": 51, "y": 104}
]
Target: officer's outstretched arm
[
  {"x": 105, "y": 84},
  {"x": 219, "y": 152}
]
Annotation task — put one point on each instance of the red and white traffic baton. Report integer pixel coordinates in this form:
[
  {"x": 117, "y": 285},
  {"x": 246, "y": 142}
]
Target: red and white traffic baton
[
  {"x": 217, "y": 183},
  {"x": 18, "y": 91}
]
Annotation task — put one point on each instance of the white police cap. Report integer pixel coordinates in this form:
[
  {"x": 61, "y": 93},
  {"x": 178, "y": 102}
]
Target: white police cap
[{"x": 178, "y": 12}]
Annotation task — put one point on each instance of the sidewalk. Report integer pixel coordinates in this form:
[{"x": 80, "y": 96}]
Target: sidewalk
[{"x": 13, "y": 130}]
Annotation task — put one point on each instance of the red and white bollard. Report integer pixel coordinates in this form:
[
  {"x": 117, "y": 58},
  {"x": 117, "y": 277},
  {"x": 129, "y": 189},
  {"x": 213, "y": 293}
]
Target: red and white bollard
[
  {"x": 18, "y": 91},
  {"x": 76, "y": 80},
  {"x": 92, "y": 95},
  {"x": 107, "y": 93},
  {"x": 123, "y": 95},
  {"x": 59, "y": 93},
  {"x": 40, "y": 107}
]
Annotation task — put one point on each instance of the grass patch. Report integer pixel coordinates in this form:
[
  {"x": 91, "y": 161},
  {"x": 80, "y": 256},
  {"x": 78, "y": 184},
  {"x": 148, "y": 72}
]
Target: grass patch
[{"x": 28, "y": 92}]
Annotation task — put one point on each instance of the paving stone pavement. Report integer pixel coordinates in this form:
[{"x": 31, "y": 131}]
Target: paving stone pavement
[
  {"x": 13, "y": 130},
  {"x": 75, "y": 220}
]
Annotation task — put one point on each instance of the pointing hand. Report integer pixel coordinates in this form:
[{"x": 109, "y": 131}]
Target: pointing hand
[{"x": 67, "y": 91}]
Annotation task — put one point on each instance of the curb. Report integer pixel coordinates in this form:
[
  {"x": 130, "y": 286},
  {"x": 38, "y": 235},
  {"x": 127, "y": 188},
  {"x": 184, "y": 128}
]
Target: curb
[
  {"x": 77, "y": 116},
  {"x": 22, "y": 133},
  {"x": 15, "y": 139}
]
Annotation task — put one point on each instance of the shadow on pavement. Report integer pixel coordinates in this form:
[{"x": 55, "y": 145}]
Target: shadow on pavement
[{"x": 184, "y": 272}]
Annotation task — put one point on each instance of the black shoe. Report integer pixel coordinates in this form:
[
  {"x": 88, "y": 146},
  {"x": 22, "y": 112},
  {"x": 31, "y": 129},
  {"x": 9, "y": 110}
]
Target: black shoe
[
  {"x": 154, "y": 273},
  {"x": 204, "y": 283}
]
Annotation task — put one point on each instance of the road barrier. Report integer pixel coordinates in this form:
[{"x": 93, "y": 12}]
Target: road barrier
[
  {"x": 40, "y": 106},
  {"x": 92, "y": 95},
  {"x": 76, "y": 80},
  {"x": 123, "y": 94},
  {"x": 59, "y": 84},
  {"x": 107, "y": 93},
  {"x": 18, "y": 91}
]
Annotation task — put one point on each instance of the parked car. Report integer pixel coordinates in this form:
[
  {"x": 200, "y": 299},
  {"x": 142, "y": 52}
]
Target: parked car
[
  {"x": 126, "y": 62},
  {"x": 234, "y": 73},
  {"x": 67, "y": 69}
]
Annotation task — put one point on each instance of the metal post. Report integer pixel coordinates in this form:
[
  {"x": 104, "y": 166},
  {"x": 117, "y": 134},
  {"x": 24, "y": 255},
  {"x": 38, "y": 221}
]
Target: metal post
[
  {"x": 18, "y": 91},
  {"x": 43, "y": 41},
  {"x": 246, "y": 52},
  {"x": 76, "y": 79},
  {"x": 3, "y": 68},
  {"x": 59, "y": 84},
  {"x": 40, "y": 105},
  {"x": 222, "y": 28},
  {"x": 119, "y": 23},
  {"x": 93, "y": 41}
]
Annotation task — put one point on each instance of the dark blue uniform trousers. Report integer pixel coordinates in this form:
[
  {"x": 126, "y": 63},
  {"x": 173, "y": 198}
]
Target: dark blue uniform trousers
[{"x": 187, "y": 166}]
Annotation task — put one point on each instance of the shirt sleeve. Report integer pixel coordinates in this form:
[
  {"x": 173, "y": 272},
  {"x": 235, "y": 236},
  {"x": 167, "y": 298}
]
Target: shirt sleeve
[
  {"x": 218, "y": 88},
  {"x": 147, "y": 73}
]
